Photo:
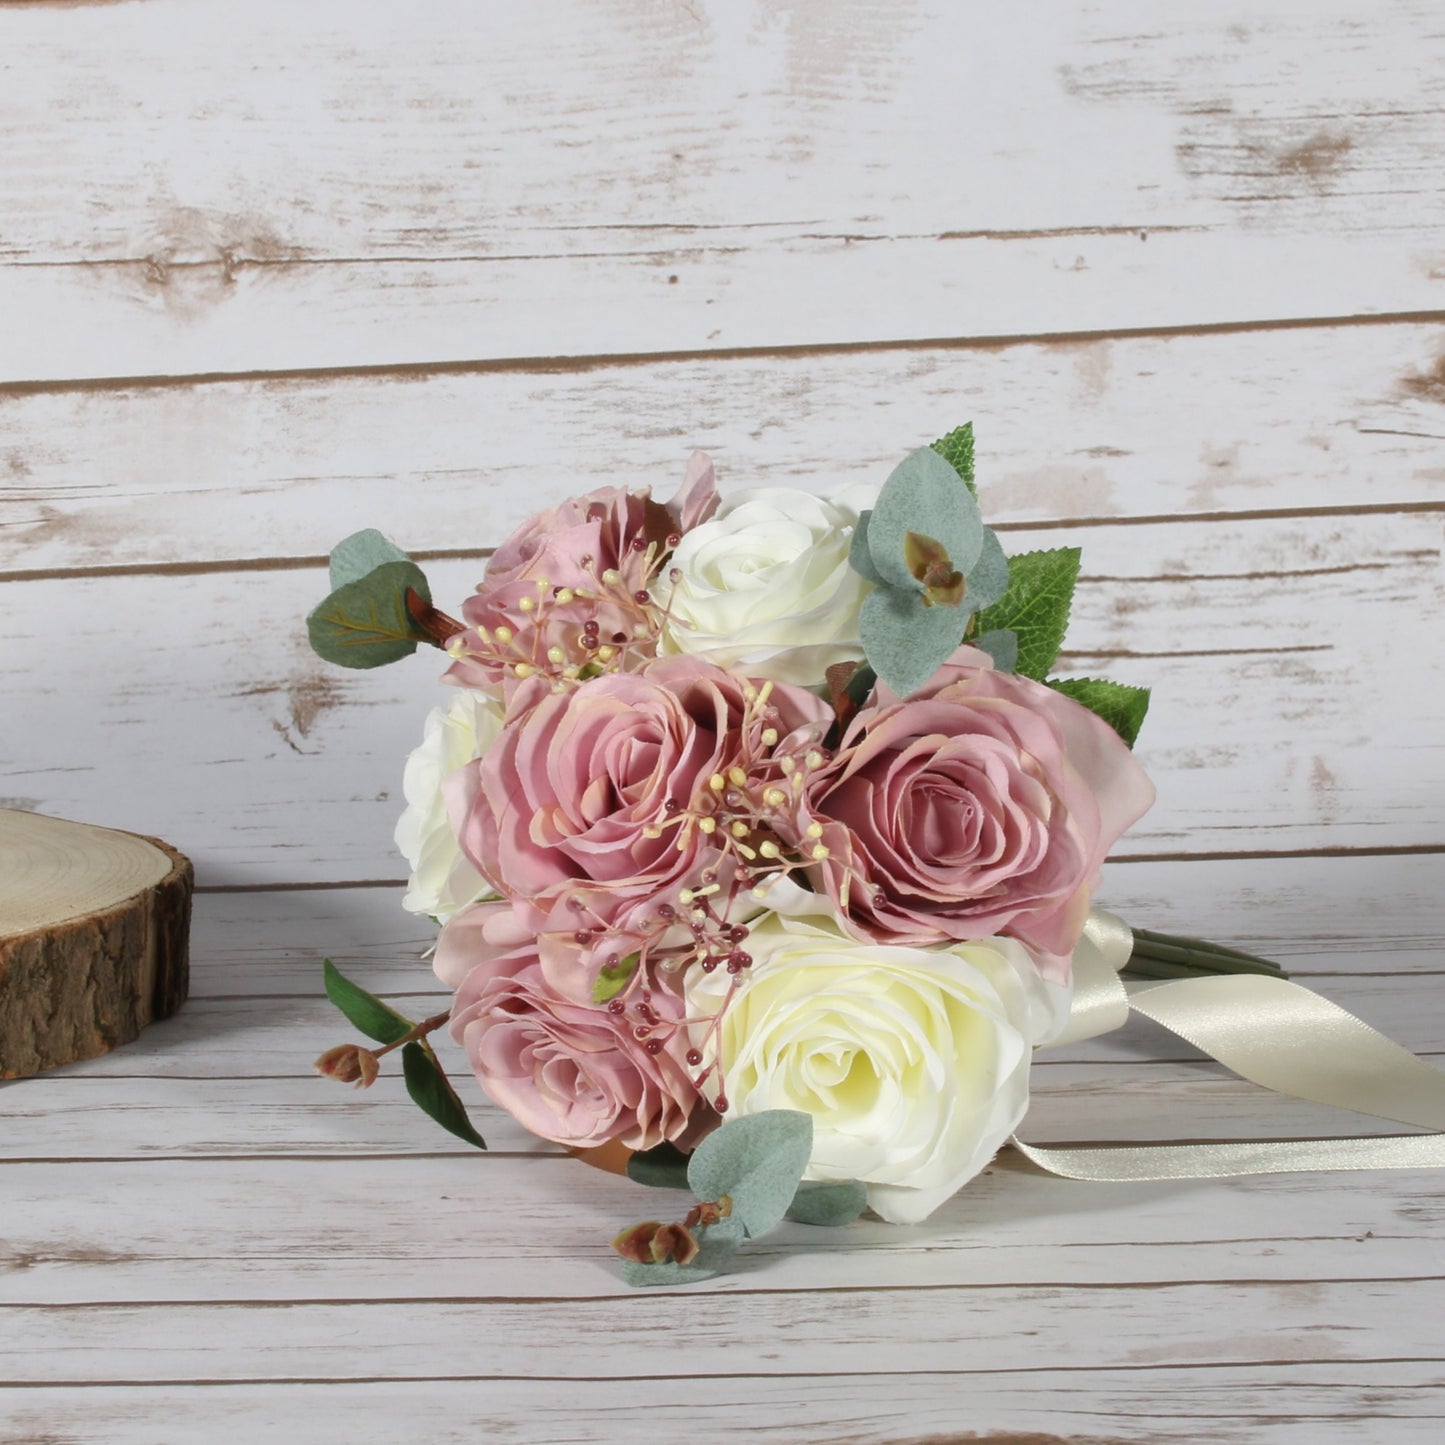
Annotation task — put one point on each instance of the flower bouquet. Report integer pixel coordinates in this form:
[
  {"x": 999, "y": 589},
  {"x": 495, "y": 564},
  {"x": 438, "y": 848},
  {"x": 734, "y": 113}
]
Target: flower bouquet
[{"x": 761, "y": 841}]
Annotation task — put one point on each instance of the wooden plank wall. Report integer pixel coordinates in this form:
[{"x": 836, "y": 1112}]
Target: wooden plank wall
[{"x": 271, "y": 274}]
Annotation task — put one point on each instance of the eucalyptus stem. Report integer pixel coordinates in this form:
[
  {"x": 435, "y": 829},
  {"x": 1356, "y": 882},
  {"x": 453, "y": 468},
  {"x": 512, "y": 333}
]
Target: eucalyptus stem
[{"x": 1162, "y": 955}]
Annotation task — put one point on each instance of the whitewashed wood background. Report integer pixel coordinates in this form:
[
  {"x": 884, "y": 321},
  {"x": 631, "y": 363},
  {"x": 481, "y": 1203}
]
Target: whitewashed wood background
[{"x": 270, "y": 273}]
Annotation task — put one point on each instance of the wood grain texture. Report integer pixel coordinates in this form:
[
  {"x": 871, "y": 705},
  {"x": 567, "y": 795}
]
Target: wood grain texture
[
  {"x": 104, "y": 963},
  {"x": 232, "y": 472},
  {"x": 1281, "y": 1403},
  {"x": 336, "y": 188}
]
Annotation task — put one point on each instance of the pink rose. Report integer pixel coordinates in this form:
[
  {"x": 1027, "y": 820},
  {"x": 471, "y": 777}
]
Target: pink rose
[
  {"x": 598, "y": 804},
  {"x": 601, "y": 525},
  {"x": 569, "y": 587},
  {"x": 575, "y": 1073},
  {"x": 983, "y": 805}
]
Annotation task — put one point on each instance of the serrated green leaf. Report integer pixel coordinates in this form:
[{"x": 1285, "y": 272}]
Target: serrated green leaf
[
  {"x": 361, "y": 553},
  {"x": 662, "y": 1167},
  {"x": 757, "y": 1161},
  {"x": 1121, "y": 706},
  {"x": 432, "y": 1092},
  {"x": 717, "y": 1244},
  {"x": 1036, "y": 607},
  {"x": 924, "y": 495},
  {"x": 828, "y": 1203},
  {"x": 375, "y": 1019},
  {"x": 957, "y": 450},
  {"x": 366, "y": 622},
  {"x": 611, "y": 980},
  {"x": 1001, "y": 645},
  {"x": 906, "y": 641}
]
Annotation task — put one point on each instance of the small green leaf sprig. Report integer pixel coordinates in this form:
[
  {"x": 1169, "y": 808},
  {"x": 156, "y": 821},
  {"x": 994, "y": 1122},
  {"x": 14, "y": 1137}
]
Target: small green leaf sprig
[
  {"x": 941, "y": 578},
  {"x": 426, "y": 1081},
  {"x": 747, "y": 1176},
  {"x": 379, "y": 607}
]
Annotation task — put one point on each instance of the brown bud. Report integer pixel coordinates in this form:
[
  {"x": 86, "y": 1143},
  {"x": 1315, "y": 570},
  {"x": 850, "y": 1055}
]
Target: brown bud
[
  {"x": 349, "y": 1064},
  {"x": 654, "y": 1243},
  {"x": 635, "y": 1242},
  {"x": 709, "y": 1212}
]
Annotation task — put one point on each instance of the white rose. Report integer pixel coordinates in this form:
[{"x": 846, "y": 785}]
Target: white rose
[
  {"x": 914, "y": 1063},
  {"x": 442, "y": 881},
  {"x": 765, "y": 586}
]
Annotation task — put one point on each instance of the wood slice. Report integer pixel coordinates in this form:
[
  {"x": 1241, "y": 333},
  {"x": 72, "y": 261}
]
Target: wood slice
[{"x": 94, "y": 930}]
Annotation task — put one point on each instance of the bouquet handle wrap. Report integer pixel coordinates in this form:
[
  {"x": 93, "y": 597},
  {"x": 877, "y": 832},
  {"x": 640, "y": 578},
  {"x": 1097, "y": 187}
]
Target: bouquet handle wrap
[{"x": 1272, "y": 1033}]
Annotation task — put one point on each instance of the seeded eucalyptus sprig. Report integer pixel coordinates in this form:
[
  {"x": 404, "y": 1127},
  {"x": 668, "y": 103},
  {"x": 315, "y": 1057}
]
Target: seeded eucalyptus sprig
[
  {"x": 746, "y": 1175},
  {"x": 940, "y": 578}
]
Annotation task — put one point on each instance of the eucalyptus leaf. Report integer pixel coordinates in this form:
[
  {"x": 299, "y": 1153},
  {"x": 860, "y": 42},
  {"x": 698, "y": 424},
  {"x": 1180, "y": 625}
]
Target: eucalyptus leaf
[
  {"x": 1001, "y": 645},
  {"x": 1036, "y": 607},
  {"x": 923, "y": 495},
  {"x": 859, "y": 558},
  {"x": 375, "y": 1019},
  {"x": 432, "y": 1092},
  {"x": 661, "y": 1167},
  {"x": 361, "y": 553},
  {"x": 988, "y": 578},
  {"x": 1121, "y": 706},
  {"x": 828, "y": 1203},
  {"x": 757, "y": 1161},
  {"x": 612, "y": 978},
  {"x": 365, "y": 623},
  {"x": 907, "y": 641},
  {"x": 957, "y": 450}
]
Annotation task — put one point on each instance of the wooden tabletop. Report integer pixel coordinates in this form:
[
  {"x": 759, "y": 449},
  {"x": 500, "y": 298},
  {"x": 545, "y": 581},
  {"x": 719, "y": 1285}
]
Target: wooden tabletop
[{"x": 275, "y": 272}]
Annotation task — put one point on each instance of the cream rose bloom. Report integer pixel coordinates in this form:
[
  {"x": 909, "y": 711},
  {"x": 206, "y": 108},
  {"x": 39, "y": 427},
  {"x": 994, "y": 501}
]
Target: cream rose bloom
[
  {"x": 442, "y": 881},
  {"x": 912, "y": 1062},
  {"x": 765, "y": 586}
]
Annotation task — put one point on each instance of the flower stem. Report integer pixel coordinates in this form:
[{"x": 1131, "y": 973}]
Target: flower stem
[
  {"x": 1162, "y": 955},
  {"x": 418, "y": 1031}
]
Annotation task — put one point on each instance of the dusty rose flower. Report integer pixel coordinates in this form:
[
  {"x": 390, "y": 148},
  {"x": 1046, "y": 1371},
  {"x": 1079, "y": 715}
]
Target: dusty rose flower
[
  {"x": 575, "y": 572},
  {"x": 596, "y": 805},
  {"x": 571, "y": 1072},
  {"x": 602, "y": 525},
  {"x": 983, "y": 805}
]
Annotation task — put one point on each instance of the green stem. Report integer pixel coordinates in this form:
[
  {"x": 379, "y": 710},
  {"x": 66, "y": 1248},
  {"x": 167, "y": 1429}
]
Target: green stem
[{"x": 1162, "y": 955}]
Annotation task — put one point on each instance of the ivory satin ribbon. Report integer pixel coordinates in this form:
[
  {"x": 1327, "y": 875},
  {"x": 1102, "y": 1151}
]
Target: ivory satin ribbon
[{"x": 1271, "y": 1032}]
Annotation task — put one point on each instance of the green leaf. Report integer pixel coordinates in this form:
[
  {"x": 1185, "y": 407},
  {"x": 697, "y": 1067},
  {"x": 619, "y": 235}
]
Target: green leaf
[
  {"x": 757, "y": 1161},
  {"x": 1036, "y": 607},
  {"x": 828, "y": 1203},
  {"x": 361, "y": 553},
  {"x": 925, "y": 495},
  {"x": 957, "y": 450},
  {"x": 1001, "y": 645},
  {"x": 375, "y": 1019},
  {"x": 432, "y": 1092},
  {"x": 988, "y": 578},
  {"x": 906, "y": 641},
  {"x": 612, "y": 979},
  {"x": 859, "y": 558},
  {"x": 662, "y": 1167},
  {"x": 366, "y": 623},
  {"x": 716, "y": 1245},
  {"x": 1121, "y": 706}
]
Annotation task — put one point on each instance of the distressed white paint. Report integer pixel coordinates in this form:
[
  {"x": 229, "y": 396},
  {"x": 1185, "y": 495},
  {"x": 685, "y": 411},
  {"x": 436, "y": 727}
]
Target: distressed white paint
[{"x": 190, "y": 189}]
